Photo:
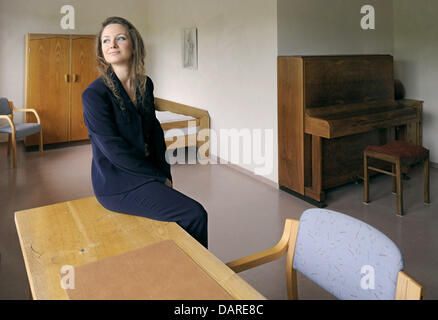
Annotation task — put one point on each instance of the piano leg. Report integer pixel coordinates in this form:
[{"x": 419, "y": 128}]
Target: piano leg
[
  {"x": 399, "y": 187},
  {"x": 312, "y": 174},
  {"x": 366, "y": 177},
  {"x": 317, "y": 166},
  {"x": 426, "y": 181},
  {"x": 315, "y": 191},
  {"x": 409, "y": 132}
]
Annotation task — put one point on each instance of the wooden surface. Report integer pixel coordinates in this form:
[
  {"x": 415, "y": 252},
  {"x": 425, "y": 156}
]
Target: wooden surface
[
  {"x": 201, "y": 139},
  {"x": 338, "y": 80},
  {"x": 58, "y": 68},
  {"x": 180, "y": 124},
  {"x": 329, "y": 109},
  {"x": 408, "y": 288},
  {"x": 265, "y": 256},
  {"x": 291, "y": 273},
  {"x": 83, "y": 72},
  {"x": 160, "y": 271},
  {"x": 413, "y": 132},
  {"x": 82, "y": 231},
  {"x": 291, "y": 123},
  {"x": 317, "y": 168},
  {"x": 338, "y": 121},
  {"x": 48, "y": 61}
]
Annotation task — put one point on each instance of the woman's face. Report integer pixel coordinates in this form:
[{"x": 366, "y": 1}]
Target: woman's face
[{"x": 116, "y": 44}]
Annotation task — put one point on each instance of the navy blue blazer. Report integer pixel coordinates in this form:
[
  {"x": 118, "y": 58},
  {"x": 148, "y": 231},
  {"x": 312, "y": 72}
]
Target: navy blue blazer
[{"x": 118, "y": 138}]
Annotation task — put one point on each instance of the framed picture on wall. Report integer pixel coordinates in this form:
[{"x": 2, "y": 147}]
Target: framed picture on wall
[{"x": 190, "y": 48}]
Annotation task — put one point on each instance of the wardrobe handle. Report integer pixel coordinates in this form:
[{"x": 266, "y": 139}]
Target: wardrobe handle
[
  {"x": 75, "y": 78},
  {"x": 67, "y": 78}
]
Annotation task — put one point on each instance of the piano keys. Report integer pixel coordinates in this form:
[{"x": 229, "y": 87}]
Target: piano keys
[{"x": 329, "y": 109}]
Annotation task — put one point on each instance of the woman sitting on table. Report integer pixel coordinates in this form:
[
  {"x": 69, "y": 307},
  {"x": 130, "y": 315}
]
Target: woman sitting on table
[{"x": 129, "y": 170}]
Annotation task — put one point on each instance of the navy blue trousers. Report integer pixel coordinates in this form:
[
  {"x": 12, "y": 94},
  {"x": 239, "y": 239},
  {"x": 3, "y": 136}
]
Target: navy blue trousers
[{"x": 155, "y": 200}]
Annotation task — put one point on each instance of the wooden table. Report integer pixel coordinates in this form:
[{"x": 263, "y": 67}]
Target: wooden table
[{"x": 82, "y": 231}]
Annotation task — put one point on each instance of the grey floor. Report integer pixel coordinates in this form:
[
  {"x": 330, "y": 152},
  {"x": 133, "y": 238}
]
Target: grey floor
[{"x": 245, "y": 215}]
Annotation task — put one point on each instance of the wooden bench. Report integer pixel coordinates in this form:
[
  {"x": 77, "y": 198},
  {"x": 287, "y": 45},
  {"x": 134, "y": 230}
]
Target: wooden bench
[{"x": 202, "y": 120}]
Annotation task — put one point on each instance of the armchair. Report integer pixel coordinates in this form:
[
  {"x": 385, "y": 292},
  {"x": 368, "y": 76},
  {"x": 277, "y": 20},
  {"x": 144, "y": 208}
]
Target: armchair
[
  {"x": 20, "y": 130},
  {"x": 343, "y": 255}
]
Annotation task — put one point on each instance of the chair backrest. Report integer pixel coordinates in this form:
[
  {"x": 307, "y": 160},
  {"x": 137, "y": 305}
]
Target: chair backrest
[
  {"x": 347, "y": 257},
  {"x": 5, "y": 108}
]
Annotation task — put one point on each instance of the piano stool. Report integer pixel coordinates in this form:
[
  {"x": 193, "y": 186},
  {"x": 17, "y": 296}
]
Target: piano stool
[{"x": 398, "y": 153}]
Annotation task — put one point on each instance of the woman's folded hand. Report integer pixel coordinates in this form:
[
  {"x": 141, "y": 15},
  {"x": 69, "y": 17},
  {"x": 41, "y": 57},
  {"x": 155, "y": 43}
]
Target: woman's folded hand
[{"x": 168, "y": 183}]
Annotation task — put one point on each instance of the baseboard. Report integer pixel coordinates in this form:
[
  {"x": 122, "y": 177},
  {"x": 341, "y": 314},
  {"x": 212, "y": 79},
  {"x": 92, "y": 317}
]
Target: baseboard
[
  {"x": 57, "y": 145},
  {"x": 319, "y": 204},
  {"x": 249, "y": 173}
]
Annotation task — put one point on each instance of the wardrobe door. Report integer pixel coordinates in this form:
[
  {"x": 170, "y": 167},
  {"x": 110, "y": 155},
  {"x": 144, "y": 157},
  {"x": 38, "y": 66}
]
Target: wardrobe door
[
  {"x": 83, "y": 73},
  {"x": 48, "y": 87}
]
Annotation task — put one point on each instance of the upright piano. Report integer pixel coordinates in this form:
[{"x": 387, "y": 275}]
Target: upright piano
[{"x": 329, "y": 109}]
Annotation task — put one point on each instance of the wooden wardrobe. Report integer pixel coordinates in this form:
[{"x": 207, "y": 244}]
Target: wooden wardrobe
[{"x": 59, "y": 67}]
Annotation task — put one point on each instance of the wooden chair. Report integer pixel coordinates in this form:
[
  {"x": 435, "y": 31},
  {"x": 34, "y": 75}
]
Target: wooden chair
[
  {"x": 399, "y": 154},
  {"x": 343, "y": 255},
  {"x": 20, "y": 130}
]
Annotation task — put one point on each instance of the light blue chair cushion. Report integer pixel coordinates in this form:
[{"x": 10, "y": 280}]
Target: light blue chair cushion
[
  {"x": 22, "y": 129},
  {"x": 344, "y": 255}
]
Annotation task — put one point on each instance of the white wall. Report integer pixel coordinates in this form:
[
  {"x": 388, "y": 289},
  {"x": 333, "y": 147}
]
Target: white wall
[
  {"x": 416, "y": 56},
  {"x": 321, "y": 27},
  {"x": 236, "y": 79}
]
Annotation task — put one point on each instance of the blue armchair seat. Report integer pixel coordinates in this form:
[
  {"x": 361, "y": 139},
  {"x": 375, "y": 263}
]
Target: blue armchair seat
[{"x": 22, "y": 129}]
